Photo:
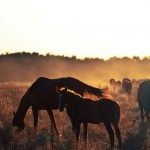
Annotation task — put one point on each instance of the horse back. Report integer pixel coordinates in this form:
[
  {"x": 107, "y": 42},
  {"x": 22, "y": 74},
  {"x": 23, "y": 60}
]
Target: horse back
[
  {"x": 42, "y": 94},
  {"x": 98, "y": 112}
]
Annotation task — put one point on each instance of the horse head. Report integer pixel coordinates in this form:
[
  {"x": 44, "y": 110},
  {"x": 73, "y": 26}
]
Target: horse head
[
  {"x": 17, "y": 123},
  {"x": 61, "y": 103}
]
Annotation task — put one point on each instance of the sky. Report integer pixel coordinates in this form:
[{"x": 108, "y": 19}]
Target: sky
[{"x": 84, "y": 28}]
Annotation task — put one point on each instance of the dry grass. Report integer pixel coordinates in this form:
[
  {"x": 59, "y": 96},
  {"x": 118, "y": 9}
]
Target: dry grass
[{"x": 133, "y": 137}]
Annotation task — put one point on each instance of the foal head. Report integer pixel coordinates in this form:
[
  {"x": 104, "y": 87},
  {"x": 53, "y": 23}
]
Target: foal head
[
  {"x": 68, "y": 98},
  {"x": 62, "y": 98},
  {"x": 17, "y": 123}
]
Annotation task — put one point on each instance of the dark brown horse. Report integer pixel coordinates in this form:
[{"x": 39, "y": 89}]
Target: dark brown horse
[
  {"x": 88, "y": 111},
  {"x": 143, "y": 97},
  {"x": 42, "y": 95},
  {"x": 127, "y": 86}
]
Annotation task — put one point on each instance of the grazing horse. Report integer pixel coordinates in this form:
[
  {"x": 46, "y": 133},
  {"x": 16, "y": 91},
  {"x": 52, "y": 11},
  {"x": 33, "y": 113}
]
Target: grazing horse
[
  {"x": 87, "y": 111},
  {"x": 127, "y": 86},
  {"x": 143, "y": 97},
  {"x": 42, "y": 95}
]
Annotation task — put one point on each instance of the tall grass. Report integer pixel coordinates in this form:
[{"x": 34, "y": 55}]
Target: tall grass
[{"x": 133, "y": 137}]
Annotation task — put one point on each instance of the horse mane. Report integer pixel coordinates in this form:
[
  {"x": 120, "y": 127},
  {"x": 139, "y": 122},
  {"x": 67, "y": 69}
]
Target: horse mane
[
  {"x": 76, "y": 94},
  {"x": 71, "y": 91},
  {"x": 79, "y": 87},
  {"x": 73, "y": 84}
]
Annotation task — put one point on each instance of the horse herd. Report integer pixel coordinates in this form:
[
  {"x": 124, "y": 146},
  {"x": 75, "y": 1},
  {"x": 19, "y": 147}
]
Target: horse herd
[
  {"x": 48, "y": 94},
  {"x": 126, "y": 85}
]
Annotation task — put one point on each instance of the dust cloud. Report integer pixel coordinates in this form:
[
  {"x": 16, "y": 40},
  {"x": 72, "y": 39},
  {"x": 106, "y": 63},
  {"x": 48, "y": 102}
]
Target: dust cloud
[{"x": 26, "y": 67}]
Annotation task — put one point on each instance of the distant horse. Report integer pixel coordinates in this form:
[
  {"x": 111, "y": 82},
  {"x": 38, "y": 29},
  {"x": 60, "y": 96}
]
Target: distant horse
[
  {"x": 118, "y": 84},
  {"x": 87, "y": 111},
  {"x": 42, "y": 95},
  {"x": 143, "y": 97},
  {"x": 112, "y": 83},
  {"x": 127, "y": 86}
]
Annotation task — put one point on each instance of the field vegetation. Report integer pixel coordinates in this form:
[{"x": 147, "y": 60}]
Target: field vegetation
[
  {"x": 19, "y": 70},
  {"x": 133, "y": 136}
]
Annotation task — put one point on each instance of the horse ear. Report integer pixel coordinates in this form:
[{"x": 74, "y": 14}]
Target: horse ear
[
  {"x": 14, "y": 113},
  {"x": 58, "y": 90}
]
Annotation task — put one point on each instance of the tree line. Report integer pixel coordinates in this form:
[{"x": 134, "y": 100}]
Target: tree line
[{"x": 24, "y": 66}]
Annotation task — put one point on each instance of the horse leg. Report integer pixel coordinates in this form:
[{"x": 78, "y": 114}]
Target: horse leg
[
  {"x": 50, "y": 113},
  {"x": 148, "y": 119},
  {"x": 114, "y": 88},
  {"x": 128, "y": 95},
  {"x": 85, "y": 132},
  {"x": 141, "y": 109},
  {"x": 78, "y": 124},
  {"x": 110, "y": 132},
  {"x": 35, "y": 116}
]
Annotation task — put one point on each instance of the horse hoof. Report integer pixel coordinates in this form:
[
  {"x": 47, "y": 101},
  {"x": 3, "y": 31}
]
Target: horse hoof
[{"x": 59, "y": 136}]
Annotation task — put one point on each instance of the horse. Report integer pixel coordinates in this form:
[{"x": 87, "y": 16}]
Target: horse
[
  {"x": 118, "y": 84},
  {"x": 112, "y": 83},
  {"x": 86, "y": 111},
  {"x": 127, "y": 86},
  {"x": 143, "y": 97},
  {"x": 42, "y": 95}
]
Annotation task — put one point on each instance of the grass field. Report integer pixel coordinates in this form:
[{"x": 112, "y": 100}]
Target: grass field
[{"x": 133, "y": 136}]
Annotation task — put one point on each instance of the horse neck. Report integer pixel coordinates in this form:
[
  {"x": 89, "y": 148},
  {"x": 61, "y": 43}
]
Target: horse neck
[
  {"x": 74, "y": 100},
  {"x": 23, "y": 107}
]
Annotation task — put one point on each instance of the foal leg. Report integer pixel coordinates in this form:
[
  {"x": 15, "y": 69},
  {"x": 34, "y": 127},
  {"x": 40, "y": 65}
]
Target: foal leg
[
  {"x": 35, "y": 116},
  {"x": 110, "y": 132},
  {"x": 50, "y": 113},
  {"x": 117, "y": 130},
  {"x": 85, "y": 132},
  {"x": 78, "y": 124},
  {"x": 71, "y": 115}
]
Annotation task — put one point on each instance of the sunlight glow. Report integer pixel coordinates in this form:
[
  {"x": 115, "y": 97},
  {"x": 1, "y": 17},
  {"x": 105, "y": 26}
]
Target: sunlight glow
[{"x": 83, "y": 28}]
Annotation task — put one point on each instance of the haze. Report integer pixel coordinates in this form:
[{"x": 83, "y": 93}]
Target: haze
[{"x": 27, "y": 67}]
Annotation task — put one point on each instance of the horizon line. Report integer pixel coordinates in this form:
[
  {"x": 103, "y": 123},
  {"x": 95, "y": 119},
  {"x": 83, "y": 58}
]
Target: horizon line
[{"x": 81, "y": 58}]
